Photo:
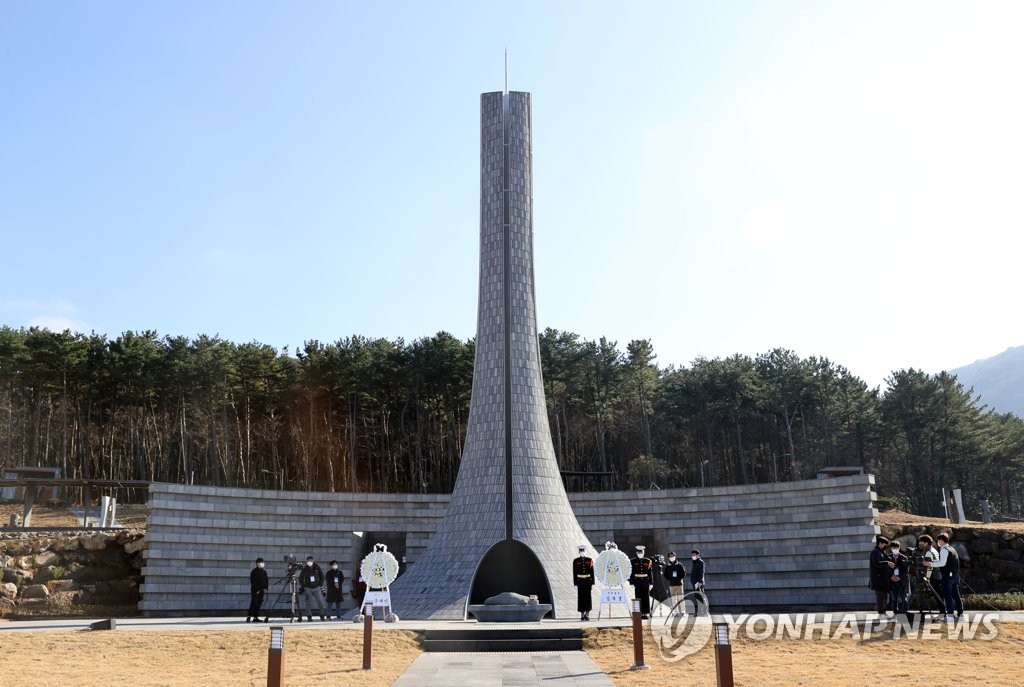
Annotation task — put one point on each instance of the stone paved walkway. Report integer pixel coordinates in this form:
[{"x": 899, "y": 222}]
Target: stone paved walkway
[{"x": 519, "y": 669}]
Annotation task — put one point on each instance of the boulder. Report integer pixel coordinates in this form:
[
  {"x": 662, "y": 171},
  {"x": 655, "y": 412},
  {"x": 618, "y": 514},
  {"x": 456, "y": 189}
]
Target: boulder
[
  {"x": 17, "y": 575},
  {"x": 5, "y": 560},
  {"x": 31, "y": 604},
  {"x": 6, "y": 605},
  {"x": 1007, "y": 570},
  {"x": 135, "y": 546},
  {"x": 983, "y": 545},
  {"x": 27, "y": 562},
  {"x": 96, "y": 542},
  {"x": 47, "y": 558},
  {"x": 9, "y": 590},
  {"x": 76, "y": 556},
  {"x": 35, "y": 591},
  {"x": 56, "y": 586},
  {"x": 1010, "y": 555},
  {"x": 891, "y": 531},
  {"x": 114, "y": 557},
  {"x": 961, "y": 551},
  {"x": 19, "y": 548},
  {"x": 44, "y": 575},
  {"x": 1017, "y": 544},
  {"x": 978, "y": 583}
]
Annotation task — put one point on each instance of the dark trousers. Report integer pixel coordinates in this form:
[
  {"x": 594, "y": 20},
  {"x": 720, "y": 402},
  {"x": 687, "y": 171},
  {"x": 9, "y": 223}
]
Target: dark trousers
[
  {"x": 584, "y": 604},
  {"x": 643, "y": 593},
  {"x": 898, "y": 598},
  {"x": 951, "y": 594},
  {"x": 255, "y": 602},
  {"x": 881, "y": 600}
]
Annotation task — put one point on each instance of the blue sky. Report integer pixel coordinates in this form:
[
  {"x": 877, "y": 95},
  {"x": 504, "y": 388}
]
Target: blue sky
[{"x": 839, "y": 178}]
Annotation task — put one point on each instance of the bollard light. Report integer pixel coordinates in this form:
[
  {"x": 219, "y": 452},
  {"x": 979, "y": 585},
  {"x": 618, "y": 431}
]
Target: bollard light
[
  {"x": 368, "y": 637},
  {"x": 275, "y": 657},
  {"x": 638, "y": 639},
  {"x": 723, "y": 655}
]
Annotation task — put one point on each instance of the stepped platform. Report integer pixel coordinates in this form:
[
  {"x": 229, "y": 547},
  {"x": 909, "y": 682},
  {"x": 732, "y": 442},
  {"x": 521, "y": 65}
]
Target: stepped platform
[{"x": 503, "y": 638}]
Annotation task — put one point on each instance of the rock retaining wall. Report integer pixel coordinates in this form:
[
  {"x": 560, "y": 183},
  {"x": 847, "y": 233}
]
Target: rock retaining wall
[
  {"x": 55, "y": 572},
  {"x": 991, "y": 560}
]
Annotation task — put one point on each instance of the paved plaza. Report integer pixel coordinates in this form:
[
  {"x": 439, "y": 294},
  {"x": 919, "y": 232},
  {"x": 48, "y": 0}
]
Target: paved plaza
[{"x": 570, "y": 668}]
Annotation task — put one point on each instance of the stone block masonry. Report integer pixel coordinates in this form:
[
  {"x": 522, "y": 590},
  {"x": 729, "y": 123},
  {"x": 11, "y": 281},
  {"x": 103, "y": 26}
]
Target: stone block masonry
[{"x": 793, "y": 545}]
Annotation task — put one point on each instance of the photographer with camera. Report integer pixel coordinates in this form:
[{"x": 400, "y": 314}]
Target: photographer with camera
[{"x": 311, "y": 579}]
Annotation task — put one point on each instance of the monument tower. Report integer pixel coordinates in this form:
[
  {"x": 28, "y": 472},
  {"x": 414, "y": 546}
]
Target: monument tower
[{"x": 509, "y": 525}]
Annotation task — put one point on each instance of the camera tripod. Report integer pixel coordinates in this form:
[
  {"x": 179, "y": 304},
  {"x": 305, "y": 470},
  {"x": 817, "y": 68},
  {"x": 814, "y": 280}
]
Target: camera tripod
[
  {"x": 926, "y": 600},
  {"x": 288, "y": 585}
]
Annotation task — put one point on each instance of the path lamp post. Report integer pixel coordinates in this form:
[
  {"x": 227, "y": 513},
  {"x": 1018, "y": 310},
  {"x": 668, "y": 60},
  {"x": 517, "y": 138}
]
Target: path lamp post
[
  {"x": 723, "y": 655},
  {"x": 275, "y": 657}
]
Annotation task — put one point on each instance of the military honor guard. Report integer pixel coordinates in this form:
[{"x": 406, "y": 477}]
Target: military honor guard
[
  {"x": 641, "y": 569},
  {"x": 583, "y": 578}
]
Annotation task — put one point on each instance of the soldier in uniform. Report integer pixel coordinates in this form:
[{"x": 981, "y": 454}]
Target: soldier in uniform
[
  {"x": 641, "y": 569},
  {"x": 583, "y": 579}
]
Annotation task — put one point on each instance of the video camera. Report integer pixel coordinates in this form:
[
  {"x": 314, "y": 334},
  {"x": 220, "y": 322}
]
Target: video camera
[
  {"x": 917, "y": 566},
  {"x": 293, "y": 563}
]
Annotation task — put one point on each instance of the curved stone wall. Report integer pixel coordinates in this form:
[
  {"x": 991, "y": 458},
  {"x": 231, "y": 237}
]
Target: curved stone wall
[{"x": 795, "y": 545}]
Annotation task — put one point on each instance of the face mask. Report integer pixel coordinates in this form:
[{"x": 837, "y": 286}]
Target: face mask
[
  {"x": 259, "y": 565},
  {"x": 309, "y": 563},
  {"x": 895, "y": 552},
  {"x": 334, "y": 567},
  {"x": 671, "y": 559},
  {"x": 693, "y": 557}
]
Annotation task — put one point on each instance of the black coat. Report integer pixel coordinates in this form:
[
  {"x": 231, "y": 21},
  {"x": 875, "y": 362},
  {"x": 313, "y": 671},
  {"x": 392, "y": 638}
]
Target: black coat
[
  {"x": 697, "y": 572},
  {"x": 903, "y": 565},
  {"x": 311, "y": 577},
  {"x": 674, "y": 573},
  {"x": 879, "y": 580},
  {"x": 258, "y": 580},
  {"x": 334, "y": 580}
]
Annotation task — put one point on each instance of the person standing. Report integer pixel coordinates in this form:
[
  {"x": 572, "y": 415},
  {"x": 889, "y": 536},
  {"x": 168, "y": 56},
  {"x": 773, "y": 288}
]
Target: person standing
[
  {"x": 675, "y": 573},
  {"x": 929, "y": 555},
  {"x": 334, "y": 579},
  {"x": 583, "y": 579},
  {"x": 640, "y": 577},
  {"x": 697, "y": 580},
  {"x": 949, "y": 565},
  {"x": 311, "y": 579},
  {"x": 880, "y": 565},
  {"x": 899, "y": 579},
  {"x": 259, "y": 583}
]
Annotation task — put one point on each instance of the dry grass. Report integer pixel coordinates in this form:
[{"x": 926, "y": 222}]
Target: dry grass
[
  {"x": 842, "y": 663},
  {"x": 210, "y": 659},
  {"x": 130, "y": 515},
  {"x": 898, "y": 517},
  {"x": 42, "y": 516}
]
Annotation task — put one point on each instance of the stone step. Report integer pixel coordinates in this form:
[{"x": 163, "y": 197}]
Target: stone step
[{"x": 504, "y": 639}]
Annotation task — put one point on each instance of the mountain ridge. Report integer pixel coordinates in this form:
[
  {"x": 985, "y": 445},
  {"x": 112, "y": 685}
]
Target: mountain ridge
[{"x": 998, "y": 380}]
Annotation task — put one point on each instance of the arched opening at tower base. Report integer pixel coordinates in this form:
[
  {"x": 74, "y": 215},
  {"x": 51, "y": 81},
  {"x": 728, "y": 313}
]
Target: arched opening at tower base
[{"x": 510, "y": 566}]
